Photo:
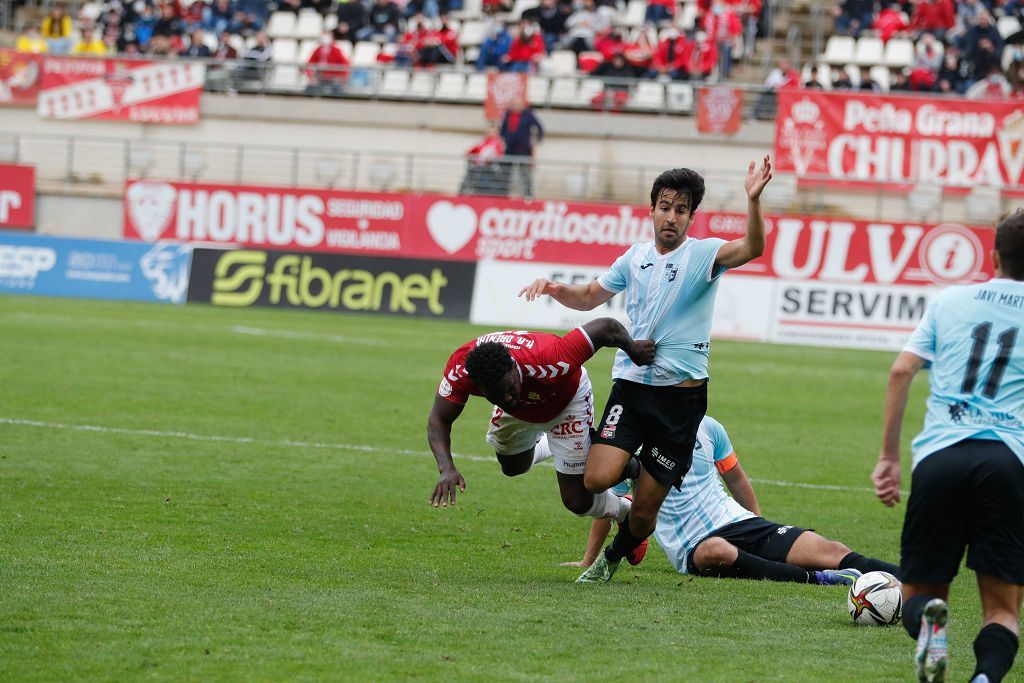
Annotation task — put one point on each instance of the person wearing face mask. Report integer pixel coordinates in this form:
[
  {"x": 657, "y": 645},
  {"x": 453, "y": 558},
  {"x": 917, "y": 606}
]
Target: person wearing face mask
[
  {"x": 673, "y": 56},
  {"x": 581, "y": 27},
  {"x": 724, "y": 29},
  {"x": 494, "y": 48},
  {"x": 324, "y": 68},
  {"x": 550, "y": 16},
  {"x": 526, "y": 50}
]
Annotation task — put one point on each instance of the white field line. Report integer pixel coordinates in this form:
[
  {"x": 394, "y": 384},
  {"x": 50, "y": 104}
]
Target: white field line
[{"x": 288, "y": 443}]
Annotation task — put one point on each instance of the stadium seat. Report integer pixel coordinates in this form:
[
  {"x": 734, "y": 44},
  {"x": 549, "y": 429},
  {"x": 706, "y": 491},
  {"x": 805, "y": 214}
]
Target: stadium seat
[
  {"x": 520, "y": 7},
  {"x": 564, "y": 92},
  {"x": 284, "y": 51},
  {"x": 880, "y": 75},
  {"x": 331, "y": 22},
  {"x": 286, "y": 77},
  {"x": 824, "y": 75},
  {"x": 387, "y": 54},
  {"x": 281, "y": 25},
  {"x": 237, "y": 42},
  {"x": 589, "y": 89},
  {"x": 537, "y": 89},
  {"x": 476, "y": 87},
  {"x": 1008, "y": 54},
  {"x": 1007, "y": 26},
  {"x": 472, "y": 34},
  {"x": 679, "y": 97},
  {"x": 838, "y": 50},
  {"x": 636, "y": 13},
  {"x": 451, "y": 86},
  {"x": 421, "y": 85},
  {"x": 688, "y": 16},
  {"x": 868, "y": 52},
  {"x": 982, "y": 204},
  {"x": 394, "y": 83},
  {"x": 562, "y": 63},
  {"x": 853, "y": 71},
  {"x": 365, "y": 54},
  {"x": 648, "y": 96},
  {"x": 346, "y": 48},
  {"x": 939, "y": 47},
  {"x": 471, "y": 9},
  {"x": 309, "y": 25},
  {"x": 899, "y": 53},
  {"x": 91, "y": 10},
  {"x": 306, "y": 49}
]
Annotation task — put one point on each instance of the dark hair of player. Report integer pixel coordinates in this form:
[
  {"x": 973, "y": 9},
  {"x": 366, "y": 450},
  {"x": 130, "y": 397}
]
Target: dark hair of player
[
  {"x": 488, "y": 363},
  {"x": 681, "y": 181},
  {"x": 1010, "y": 245}
]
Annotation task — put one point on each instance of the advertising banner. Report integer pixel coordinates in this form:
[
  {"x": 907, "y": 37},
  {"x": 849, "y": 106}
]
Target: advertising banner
[
  {"x": 719, "y": 110},
  {"x": 333, "y": 282},
  {"x": 93, "y": 269},
  {"x": 121, "y": 90},
  {"x": 900, "y": 141},
  {"x": 502, "y": 90},
  {"x": 19, "y": 78},
  {"x": 17, "y": 196}
]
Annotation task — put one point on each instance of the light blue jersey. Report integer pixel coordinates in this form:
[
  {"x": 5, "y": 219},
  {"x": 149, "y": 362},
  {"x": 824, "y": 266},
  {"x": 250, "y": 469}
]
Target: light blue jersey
[
  {"x": 701, "y": 504},
  {"x": 974, "y": 338},
  {"x": 671, "y": 299}
]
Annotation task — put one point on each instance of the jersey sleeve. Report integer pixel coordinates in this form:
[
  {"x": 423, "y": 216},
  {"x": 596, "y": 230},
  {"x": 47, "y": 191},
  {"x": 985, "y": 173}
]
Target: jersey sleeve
[
  {"x": 454, "y": 384},
  {"x": 617, "y": 277},
  {"x": 722, "y": 450},
  {"x": 922, "y": 341},
  {"x": 567, "y": 353},
  {"x": 710, "y": 271}
]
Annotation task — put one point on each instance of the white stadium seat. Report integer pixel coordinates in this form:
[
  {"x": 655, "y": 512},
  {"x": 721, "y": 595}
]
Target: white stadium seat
[
  {"x": 869, "y": 51},
  {"x": 880, "y": 75},
  {"x": 472, "y": 34},
  {"x": 286, "y": 77},
  {"x": 451, "y": 85},
  {"x": 281, "y": 25},
  {"x": 562, "y": 63},
  {"x": 365, "y": 54},
  {"x": 649, "y": 95},
  {"x": 589, "y": 89},
  {"x": 395, "y": 83},
  {"x": 679, "y": 97},
  {"x": 346, "y": 48},
  {"x": 284, "y": 51},
  {"x": 564, "y": 91},
  {"x": 688, "y": 16},
  {"x": 1007, "y": 26},
  {"x": 537, "y": 89},
  {"x": 520, "y": 7},
  {"x": 309, "y": 25},
  {"x": 824, "y": 75},
  {"x": 306, "y": 49},
  {"x": 899, "y": 53},
  {"x": 636, "y": 12},
  {"x": 471, "y": 9},
  {"x": 838, "y": 50},
  {"x": 476, "y": 87},
  {"x": 421, "y": 85}
]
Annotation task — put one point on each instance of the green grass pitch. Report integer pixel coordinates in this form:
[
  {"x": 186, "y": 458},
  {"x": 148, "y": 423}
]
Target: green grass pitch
[{"x": 299, "y": 544}]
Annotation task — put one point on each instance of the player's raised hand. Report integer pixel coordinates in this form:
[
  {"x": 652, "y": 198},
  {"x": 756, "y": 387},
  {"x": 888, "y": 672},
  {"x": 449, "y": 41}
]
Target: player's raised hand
[
  {"x": 886, "y": 479},
  {"x": 448, "y": 484},
  {"x": 540, "y": 287},
  {"x": 641, "y": 351},
  {"x": 758, "y": 177}
]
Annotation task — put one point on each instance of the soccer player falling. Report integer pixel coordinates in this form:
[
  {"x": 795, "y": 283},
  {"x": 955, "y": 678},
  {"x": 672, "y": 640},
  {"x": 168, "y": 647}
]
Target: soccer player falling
[{"x": 671, "y": 284}]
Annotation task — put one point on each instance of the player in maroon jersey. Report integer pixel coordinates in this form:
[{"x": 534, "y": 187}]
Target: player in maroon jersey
[{"x": 539, "y": 388}]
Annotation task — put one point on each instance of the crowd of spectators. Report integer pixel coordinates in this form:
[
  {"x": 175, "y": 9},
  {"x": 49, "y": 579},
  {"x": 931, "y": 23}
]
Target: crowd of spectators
[{"x": 959, "y": 48}]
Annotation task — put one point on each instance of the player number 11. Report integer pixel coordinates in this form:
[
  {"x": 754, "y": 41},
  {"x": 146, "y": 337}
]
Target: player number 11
[{"x": 981, "y": 334}]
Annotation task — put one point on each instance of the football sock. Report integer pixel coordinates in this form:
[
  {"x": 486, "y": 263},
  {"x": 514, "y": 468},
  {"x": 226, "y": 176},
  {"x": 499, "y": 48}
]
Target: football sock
[
  {"x": 608, "y": 505},
  {"x": 995, "y": 648},
  {"x": 542, "y": 451},
  {"x": 624, "y": 542},
  {"x": 913, "y": 608},
  {"x": 868, "y": 564},
  {"x": 748, "y": 566}
]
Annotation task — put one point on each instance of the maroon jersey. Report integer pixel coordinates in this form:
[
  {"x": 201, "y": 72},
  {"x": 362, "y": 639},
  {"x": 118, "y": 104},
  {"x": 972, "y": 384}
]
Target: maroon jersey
[{"x": 548, "y": 364}]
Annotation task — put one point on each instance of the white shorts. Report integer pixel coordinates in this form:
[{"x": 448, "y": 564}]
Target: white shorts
[{"x": 568, "y": 434}]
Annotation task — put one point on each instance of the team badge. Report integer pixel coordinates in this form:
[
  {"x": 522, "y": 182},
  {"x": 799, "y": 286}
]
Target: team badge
[
  {"x": 445, "y": 389},
  {"x": 608, "y": 432},
  {"x": 670, "y": 272}
]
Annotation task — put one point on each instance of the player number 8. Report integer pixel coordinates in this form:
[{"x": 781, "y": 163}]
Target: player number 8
[{"x": 614, "y": 413}]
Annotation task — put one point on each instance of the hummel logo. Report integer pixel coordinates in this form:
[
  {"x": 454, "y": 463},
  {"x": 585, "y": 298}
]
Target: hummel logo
[{"x": 646, "y": 265}]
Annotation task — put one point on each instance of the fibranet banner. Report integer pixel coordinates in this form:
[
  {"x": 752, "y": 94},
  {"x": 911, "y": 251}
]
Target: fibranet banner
[{"x": 333, "y": 282}]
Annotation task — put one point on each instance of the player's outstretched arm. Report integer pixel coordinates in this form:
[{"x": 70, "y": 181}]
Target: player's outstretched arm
[
  {"x": 599, "y": 530},
  {"x": 747, "y": 248},
  {"x": 610, "y": 332},
  {"x": 886, "y": 476},
  {"x": 579, "y": 297},
  {"x": 739, "y": 486},
  {"x": 439, "y": 436}
]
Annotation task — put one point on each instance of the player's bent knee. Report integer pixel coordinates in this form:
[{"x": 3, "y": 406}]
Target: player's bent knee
[
  {"x": 596, "y": 482},
  {"x": 577, "y": 502},
  {"x": 514, "y": 465},
  {"x": 714, "y": 553}
]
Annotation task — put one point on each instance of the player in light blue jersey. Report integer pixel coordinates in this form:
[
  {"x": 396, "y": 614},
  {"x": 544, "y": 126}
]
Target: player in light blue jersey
[
  {"x": 670, "y": 287},
  {"x": 704, "y": 531},
  {"x": 967, "y": 489}
]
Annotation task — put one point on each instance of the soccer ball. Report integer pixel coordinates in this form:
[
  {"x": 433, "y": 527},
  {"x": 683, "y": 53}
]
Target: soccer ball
[{"x": 875, "y": 599}]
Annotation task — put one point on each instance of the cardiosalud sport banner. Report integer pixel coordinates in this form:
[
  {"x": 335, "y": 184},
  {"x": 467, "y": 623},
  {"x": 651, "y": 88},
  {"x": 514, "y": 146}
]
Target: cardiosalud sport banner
[
  {"x": 17, "y": 196},
  {"x": 121, "y": 90},
  {"x": 900, "y": 141},
  {"x": 93, "y": 269}
]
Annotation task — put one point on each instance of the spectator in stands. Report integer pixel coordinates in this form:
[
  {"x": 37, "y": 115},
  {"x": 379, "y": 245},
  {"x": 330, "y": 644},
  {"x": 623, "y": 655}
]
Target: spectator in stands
[
  {"x": 841, "y": 81},
  {"x": 255, "y": 58},
  {"x": 898, "y": 81},
  {"x": 867, "y": 83},
  {"x": 197, "y": 47},
  {"x": 167, "y": 24},
  {"x": 1016, "y": 79},
  {"x": 674, "y": 56},
  {"x": 982, "y": 60},
  {"x": 218, "y": 76},
  {"x": 551, "y": 17},
  {"x": 218, "y": 16},
  {"x": 31, "y": 41},
  {"x": 351, "y": 18},
  {"x": 492, "y": 7},
  {"x": 609, "y": 44},
  {"x": 438, "y": 45},
  {"x": 526, "y": 50},
  {"x": 782, "y": 76},
  {"x": 890, "y": 21},
  {"x": 705, "y": 56},
  {"x": 952, "y": 78},
  {"x": 485, "y": 173},
  {"x": 723, "y": 26},
  {"x": 984, "y": 30},
  {"x": 749, "y": 12},
  {"x": 934, "y": 16},
  {"x": 192, "y": 16},
  {"x": 57, "y": 31},
  {"x": 968, "y": 13},
  {"x": 581, "y": 28},
  {"x": 160, "y": 46},
  {"x": 659, "y": 11},
  {"x": 385, "y": 18},
  {"x": 927, "y": 62},
  {"x": 853, "y": 16},
  {"x": 224, "y": 48},
  {"x": 521, "y": 132},
  {"x": 812, "y": 82},
  {"x": 324, "y": 68},
  {"x": 616, "y": 74},
  {"x": 994, "y": 86},
  {"x": 431, "y": 9},
  {"x": 497, "y": 42},
  {"x": 143, "y": 25},
  {"x": 639, "y": 52},
  {"x": 92, "y": 43},
  {"x": 250, "y": 16}
]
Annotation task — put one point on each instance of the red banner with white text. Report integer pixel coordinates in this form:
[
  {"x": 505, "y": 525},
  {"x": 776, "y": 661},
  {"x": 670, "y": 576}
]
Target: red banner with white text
[
  {"x": 19, "y": 78},
  {"x": 17, "y": 196},
  {"x": 121, "y": 90},
  {"x": 900, "y": 141},
  {"x": 719, "y": 110}
]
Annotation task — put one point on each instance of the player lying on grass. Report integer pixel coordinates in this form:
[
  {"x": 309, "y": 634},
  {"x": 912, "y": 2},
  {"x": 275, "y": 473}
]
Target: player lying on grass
[
  {"x": 704, "y": 531},
  {"x": 539, "y": 387}
]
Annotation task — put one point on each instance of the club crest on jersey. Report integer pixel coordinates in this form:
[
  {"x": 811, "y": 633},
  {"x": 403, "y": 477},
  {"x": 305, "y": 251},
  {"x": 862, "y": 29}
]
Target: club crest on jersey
[
  {"x": 533, "y": 396},
  {"x": 445, "y": 389},
  {"x": 670, "y": 272},
  {"x": 608, "y": 432}
]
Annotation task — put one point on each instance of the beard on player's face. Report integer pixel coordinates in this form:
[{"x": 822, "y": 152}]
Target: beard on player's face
[{"x": 672, "y": 218}]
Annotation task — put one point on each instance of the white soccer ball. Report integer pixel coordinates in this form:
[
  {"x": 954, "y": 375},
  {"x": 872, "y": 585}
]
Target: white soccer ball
[{"x": 875, "y": 599}]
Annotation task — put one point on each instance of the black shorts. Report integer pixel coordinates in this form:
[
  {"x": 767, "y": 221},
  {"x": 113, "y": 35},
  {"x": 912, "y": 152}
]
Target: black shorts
[
  {"x": 757, "y": 536},
  {"x": 663, "y": 420},
  {"x": 969, "y": 495}
]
